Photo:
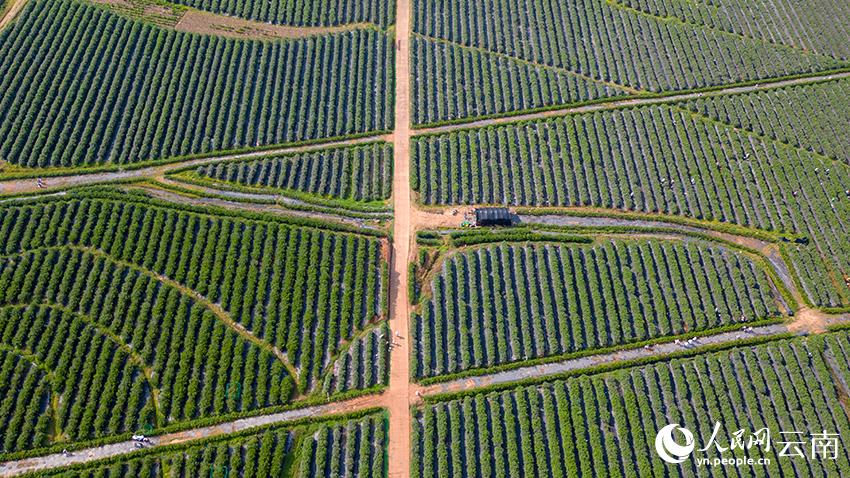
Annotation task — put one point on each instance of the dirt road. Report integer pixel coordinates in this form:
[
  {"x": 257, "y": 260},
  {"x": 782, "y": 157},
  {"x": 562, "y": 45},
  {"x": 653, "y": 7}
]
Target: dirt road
[
  {"x": 398, "y": 395},
  {"x": 208, "y": 23}
]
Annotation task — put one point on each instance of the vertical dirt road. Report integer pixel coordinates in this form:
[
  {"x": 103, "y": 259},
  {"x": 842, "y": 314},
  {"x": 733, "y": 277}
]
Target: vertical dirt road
[{"x": 398, "y": 395}]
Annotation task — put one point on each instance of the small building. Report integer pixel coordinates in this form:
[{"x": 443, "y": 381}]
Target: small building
[{"x": 493, "y": 216}]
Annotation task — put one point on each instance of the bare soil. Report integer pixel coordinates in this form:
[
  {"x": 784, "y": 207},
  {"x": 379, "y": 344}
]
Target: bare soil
[
  {"x": 196, "y": 21},
  {"x": 11, "y": 11},
  {"x": 399, "y": 393}
]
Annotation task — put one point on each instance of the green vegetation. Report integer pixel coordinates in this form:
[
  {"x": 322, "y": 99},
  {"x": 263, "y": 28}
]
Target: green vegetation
[
  {"x": 343, "y": 447},
  {"x": 608, "y": 421},
  {"x": 159, "y": 12},
  {"x": 453, "y": 82},
  {"x": 811, "y": 117},
  {"x": 220, "y": 312},
  {"x": 358, "y": 173},
  {"x": 601, "y": 46},
  {"x": 96, "y": 326},
  {"x": 814, "y": 26},
  {"x": 82, "y": 86},
  {"x": 365, "y": 364},
  {"x": 303, "y": 12},
  {"x": 657, "y": 160},
  {"x": 578, "y": 298},
  {"x": 47, "y": 352}
]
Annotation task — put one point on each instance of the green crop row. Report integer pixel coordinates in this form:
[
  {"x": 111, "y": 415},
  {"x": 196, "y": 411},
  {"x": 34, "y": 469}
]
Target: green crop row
[
  {"x": 605, "y": 424},
  {"x": 346, "y": 446},
  {"x": 502, "y": 56},
  {"x": 576, "y": 298},
  {"x": 659, "y": 160},
  {"x": 358, "y": 173},
  {"x": 302, "y": 12},
  {"x": 82, "y": 86}
]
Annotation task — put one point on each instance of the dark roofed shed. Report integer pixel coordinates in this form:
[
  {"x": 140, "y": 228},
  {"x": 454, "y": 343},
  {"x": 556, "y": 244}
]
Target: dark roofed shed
[{"x": 493, "y": 216}]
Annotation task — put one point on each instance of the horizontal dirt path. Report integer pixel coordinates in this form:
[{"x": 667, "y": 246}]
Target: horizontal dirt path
[
  {"x": 30, "y": 185},
  {"x": 174, "y": 197},
  {"x": 19, "y": 467},
  {"x": 806, "y": 321},
  {"x": 258, "y": 196},
  {"x": 638, "y": 101}
]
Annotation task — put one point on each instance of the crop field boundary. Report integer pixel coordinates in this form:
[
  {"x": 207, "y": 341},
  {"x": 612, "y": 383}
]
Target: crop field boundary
[
  {"x": 165, "y": 14},
  {"x": 777, "y": 268},
  {"x": 465, "y": 387},
  {"x": 674, "y": 19},
  {"x": 10, "y": 11},
  {"x": 176, "y": 441},
  {"x": 628, "y": 89},
  {"x": 648, "y": 98},
  {"x": 287, "y": 196},
  {"x": 177, "y": 193},
  {"x": 480, "y": 375},
  {"x": 108, "y": 193},
  {"x": 783, "y": 288},
  {"x": 171, "y": 184},
  {"x": 215, "y": 309},
  {"x": 19, "y": 180},
  {"x": 161, "y": 166}
]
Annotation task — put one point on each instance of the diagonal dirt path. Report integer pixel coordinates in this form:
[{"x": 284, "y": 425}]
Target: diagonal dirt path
[
  {"x": 635, "y": 101},
  {"x": 208, "y": 23},
  {"x": 11, "y": 11},
  {"x": 805, "y": 322},
  {"x": 55, "y": 460}
]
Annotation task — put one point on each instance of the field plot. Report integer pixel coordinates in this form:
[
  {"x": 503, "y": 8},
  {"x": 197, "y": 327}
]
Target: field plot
[
  {"x": 578, "y": 298},
  {"x": 220, "y": 312},
  {"x": 654, "y": 159},
  {"x": 81, "y": 85},
  {"x": 365, "y": 364},
  {"x": 452, "y": 82},
  {"x": 360, "y": 173},
  {"x": 606, "y": 424},
  {"x": 816, "y": 26},
  {"x": 812, "y": 117},
  {"x": 352, "y": 447},
  {"x": 48, "y": 350},
  {"x": 303, "y": 12},
  {"x": 596, "y": 42}
]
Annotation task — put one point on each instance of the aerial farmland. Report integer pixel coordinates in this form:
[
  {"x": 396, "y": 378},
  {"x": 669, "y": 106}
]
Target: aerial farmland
[{"x": 424, "y": 238}]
